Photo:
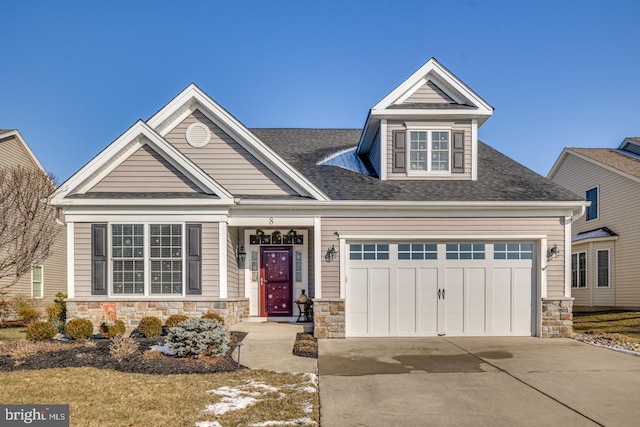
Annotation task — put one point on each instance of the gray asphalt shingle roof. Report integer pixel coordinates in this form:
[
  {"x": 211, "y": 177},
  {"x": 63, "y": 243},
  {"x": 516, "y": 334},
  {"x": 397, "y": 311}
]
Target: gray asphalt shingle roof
[{"x": 499, "y": 177}]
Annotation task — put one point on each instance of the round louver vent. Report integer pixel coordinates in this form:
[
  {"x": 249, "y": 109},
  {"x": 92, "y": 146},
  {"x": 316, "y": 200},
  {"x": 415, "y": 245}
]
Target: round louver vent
[{"x": 198, "y": 135}]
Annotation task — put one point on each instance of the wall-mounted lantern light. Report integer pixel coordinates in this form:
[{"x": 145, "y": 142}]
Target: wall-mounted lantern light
[
  {"x": 552, "y": 252},
  {"x": 331, "y": 254},
  {"x": 240, "y": 254}
]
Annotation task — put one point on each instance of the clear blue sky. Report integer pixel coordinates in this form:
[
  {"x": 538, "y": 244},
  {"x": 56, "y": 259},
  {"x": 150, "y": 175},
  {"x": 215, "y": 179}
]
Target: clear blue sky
[{"x": 77, "y": 74}]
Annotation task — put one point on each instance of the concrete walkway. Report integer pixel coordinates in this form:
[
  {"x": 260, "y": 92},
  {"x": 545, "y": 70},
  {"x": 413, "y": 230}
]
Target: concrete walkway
[{"x": 269, "y": 346}]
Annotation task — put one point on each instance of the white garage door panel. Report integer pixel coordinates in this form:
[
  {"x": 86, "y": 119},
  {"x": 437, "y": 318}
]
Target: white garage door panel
[
  {"x": 454, "y": 301},
  {"x": 475, "y": 305},
  {"x": 502, "y": 300},
  {"x": 357, "y": 301},
  {"x": 406, "y": 292},
  {"x": 407, "y": 295},
  {"x": 427, "y": 301},
  {"x": 380, "y": 300}
]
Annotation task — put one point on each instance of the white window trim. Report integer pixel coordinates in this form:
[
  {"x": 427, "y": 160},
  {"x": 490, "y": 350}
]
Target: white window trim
[
  {"x": 429, "y": 128},
  {"x": 608, "y": 269},
  {"x": 586, "y": 270},
  {"x": 41, "y": 281},
  {"x": 597, "y": 188},
  {"x": 147, "y": 260}
]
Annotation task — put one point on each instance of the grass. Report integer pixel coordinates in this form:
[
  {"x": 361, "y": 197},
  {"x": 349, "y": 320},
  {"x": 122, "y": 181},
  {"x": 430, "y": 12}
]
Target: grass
[
  {"x": 609, "y": 322},
  {"x": 12, "y": 334},
  {"x": 109, "y": 398}
]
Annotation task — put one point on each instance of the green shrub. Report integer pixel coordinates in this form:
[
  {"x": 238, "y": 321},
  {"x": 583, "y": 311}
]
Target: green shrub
[
  {"x": 213, "y": 316},
  {"x": 79, "y": 329},
  {"x": 112, "y": 330},
  {"x": 199, "y": 337},
  {"x": 40, "y": 331},
  {"x": 174, "y": 320},
  {"x": 57, "y": 312},
  {"x": 150, "y": 327},
  {"x": 26, "y": 308}
]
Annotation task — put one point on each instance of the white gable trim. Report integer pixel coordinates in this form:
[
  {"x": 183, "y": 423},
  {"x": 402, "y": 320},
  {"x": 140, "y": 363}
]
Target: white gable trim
[
  {"x": 193, "y": 98},
  {"x": 18, "y": 136},
  {"x": 118, "y": 151}
]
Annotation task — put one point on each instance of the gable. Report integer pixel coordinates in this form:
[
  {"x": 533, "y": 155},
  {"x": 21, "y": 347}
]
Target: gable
[
  {"x": 14, "y": 151},
  {"x": 226, "y": 161},
  {"x": 145, "y": 171},
  {"x": 429, "y": 93}
]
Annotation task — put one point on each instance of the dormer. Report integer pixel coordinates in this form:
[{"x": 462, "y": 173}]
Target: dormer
[{"x": 426, "y": 128}]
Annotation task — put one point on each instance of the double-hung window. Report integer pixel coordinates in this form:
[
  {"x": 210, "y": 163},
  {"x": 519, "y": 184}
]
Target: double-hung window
[
  {"x": 579, "y": 270},
  {"x": 37, "y": 282},
  {"x": 592, "y": 196},
  {"x": 146, "y": 259},
  {"x": 429, "y": 151}
]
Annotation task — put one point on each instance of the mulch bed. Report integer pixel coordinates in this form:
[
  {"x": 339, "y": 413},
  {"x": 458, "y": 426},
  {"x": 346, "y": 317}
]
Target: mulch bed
[
  {"x": 99, "y": 357},
  {"x": 305, "y": 345}
]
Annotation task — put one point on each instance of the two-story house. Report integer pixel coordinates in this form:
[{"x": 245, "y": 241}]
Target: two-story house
[
  {"x": 604, "y": 272},
  {"x": 408, "y": 227},
  {"x": 50, "y": 277}
]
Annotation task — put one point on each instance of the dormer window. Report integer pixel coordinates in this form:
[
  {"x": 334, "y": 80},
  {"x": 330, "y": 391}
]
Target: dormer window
[{"x": 429, "y": 151}]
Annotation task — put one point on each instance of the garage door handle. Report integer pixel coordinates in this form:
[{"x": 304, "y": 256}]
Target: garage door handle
[
  {"x": 443, "y": 294},
  {"x": 439, "y": 290}
]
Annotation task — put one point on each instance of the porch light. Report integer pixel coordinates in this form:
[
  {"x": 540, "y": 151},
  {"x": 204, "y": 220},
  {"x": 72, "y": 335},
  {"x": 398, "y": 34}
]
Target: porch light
[
  {"x": 240, "y": 254},
  {"x": 552, "y": 252},
  {"x": 331, "y": 254}
]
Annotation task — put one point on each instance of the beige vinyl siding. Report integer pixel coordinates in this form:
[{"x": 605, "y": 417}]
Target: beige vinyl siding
[
  {"x": 13, "y": 153},
  {"x": 233, "y": 271},
  {"x": 145, "y": 171},
  {"x": 375, "y": 153},
  {"x": 210, "y": 260},
  {"x": 404, "y": 228},
  {"x": 82, "y": 259},
  {"x": 619, "y": 204},
  {"x": 429, "y": 93},
  {"x": 464, "y": 125},
  {"x": 311, "y": 287},
  {"x": 227, "y": 162}
]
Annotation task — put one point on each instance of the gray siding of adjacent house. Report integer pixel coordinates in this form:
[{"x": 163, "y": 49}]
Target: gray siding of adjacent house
[
  {"x": 404, "y": 228},
  {"x": 14, "y": 153},
  {"x": 464, "y": 125},
  {"x": 227, "y": 162},
  {"x": 210, "y": 263},
  {"x": 429, "y": 93},
  {"x": 619, "y": 203},
  {"x": 145, "y": 171}
]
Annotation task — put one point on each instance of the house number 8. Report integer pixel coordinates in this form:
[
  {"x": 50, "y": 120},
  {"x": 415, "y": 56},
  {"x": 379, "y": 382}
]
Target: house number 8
[{"x": 271, "y": 221}]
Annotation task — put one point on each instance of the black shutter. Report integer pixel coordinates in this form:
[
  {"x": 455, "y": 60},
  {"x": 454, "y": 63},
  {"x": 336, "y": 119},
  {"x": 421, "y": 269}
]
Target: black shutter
[
  {"x": 457, "y": 152},
  {"x": 399, "y": 155},
  {"x": 194, "y": 259},
  {"x": 99, "y": 259}
]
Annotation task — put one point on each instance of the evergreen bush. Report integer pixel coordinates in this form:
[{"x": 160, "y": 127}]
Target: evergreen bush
[
  {"x": 150, "y": 326},
  {"x": 174, "y": 320},
  {"x": 112, "y": 330},
  {"x": 199, "y": 337},
  {"x": 214, "y": 316},
  {"x": 40, "y": 331},
  {"x": 79, "y": 329}
]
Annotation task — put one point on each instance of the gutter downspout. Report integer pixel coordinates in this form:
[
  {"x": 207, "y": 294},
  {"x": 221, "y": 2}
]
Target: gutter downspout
[{"x": 57, "y": 218}]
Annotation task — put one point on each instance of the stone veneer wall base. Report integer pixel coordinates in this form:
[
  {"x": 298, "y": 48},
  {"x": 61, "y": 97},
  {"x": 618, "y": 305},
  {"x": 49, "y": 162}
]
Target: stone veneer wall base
[
  {"x": 130, "y": 311},
  {"x": 557, "y": 317},
  {"x": 328, "y": 318}
]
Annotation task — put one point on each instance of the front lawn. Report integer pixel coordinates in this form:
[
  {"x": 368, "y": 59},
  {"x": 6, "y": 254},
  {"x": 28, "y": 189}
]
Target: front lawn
[
  {"x": 12, "y": 334},
  {"x": 100, "y": 397},
  {"x": 609, "y": 322}
]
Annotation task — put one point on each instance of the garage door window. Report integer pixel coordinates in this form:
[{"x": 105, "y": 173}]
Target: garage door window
[
  {"x": 512, "y": 251},
  {"x": 369, "y": 251},
  {"x": 465, "y": 250},
  {"x": 417, "y": 251}
]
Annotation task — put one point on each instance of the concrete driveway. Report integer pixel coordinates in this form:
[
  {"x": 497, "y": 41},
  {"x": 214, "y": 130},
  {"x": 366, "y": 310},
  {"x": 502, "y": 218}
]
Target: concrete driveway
[{"x": 475, "y": 381}]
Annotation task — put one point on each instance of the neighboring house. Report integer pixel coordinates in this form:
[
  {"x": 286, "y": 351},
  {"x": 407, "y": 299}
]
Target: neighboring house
[
  {"x": 51, "y": 277},
  {"x": 605, "y": 272},
  {"x": 408, "y": 227}
]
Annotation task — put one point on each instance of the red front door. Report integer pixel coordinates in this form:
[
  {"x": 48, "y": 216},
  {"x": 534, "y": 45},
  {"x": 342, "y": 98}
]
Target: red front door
[{"x": 276, "y": 293}]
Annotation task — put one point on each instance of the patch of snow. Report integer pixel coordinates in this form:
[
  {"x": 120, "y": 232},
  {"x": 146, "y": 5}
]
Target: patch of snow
[
  {"x": 231, "y": 404},
  {"x": 208, "y": 424},
  {"x": 306, "y": 421},
  {"x": 163, "y": 348}
]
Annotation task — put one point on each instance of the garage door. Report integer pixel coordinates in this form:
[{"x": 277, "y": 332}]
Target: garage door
[{"x": 447, "y": 288}]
